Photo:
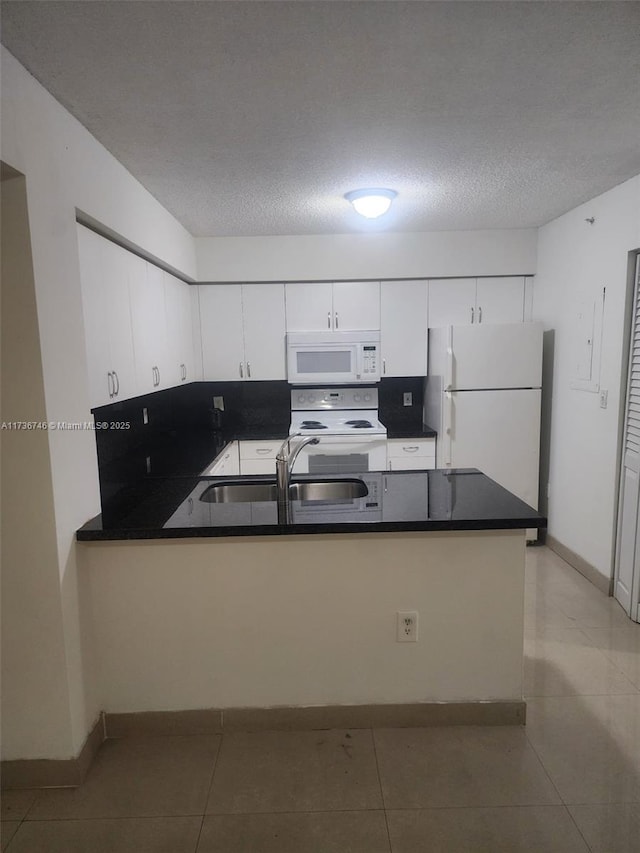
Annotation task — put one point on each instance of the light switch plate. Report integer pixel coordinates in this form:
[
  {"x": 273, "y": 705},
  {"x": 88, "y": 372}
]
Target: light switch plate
[
  {"x": 218, "y": 403},
  {"x": 407, "y": 398}
]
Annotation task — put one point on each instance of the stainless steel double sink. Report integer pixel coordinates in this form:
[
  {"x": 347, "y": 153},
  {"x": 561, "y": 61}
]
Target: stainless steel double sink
[{"x": 254, "y": 491}]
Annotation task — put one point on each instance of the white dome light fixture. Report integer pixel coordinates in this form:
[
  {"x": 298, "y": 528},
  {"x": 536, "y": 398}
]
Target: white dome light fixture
[{"x": 371, "y": 203}]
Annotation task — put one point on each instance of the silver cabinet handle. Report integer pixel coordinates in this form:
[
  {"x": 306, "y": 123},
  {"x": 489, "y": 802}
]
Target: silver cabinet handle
[
  {"x": 190, "y": 505},
  {"x": 337, "y": 324},
  {"x": 480, "y": 314},
  {"x": 158, "y": 369},
  {"x": 248, "y": 370},
  {"x": 117, "y": 384},
  {"x": 241, "y": 371},
  {"x": 390, "y": 466},
  {"x": 110, "y": 385},
  {"x": 183, "y": 372},
  {"x": 263, "y": 450},
  {"x": 384, "y": 365},
  {"x": 472, "y": 313},
  {"x": 411, "y": 449},
  {"x": 328, "y": 319}
]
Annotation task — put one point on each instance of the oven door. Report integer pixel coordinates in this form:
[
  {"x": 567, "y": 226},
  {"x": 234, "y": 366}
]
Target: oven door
[
  {"x": 362, "y": 510},
  {"x": 341, "y": 454},
  {"x": 322, "y": 363}
]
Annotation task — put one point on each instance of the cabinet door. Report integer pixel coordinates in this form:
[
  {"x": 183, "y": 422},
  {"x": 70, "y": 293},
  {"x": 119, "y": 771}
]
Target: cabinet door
[
  {"x": 451, "y": 301},
  {"x": 356, "y": 305},
  {"x": 94, "y": 308},
  {"x": 500, "y": 300},
  {"x": 148, "y": 315},
  {"x": 118, "y": 318},
  {"x": 405, "y": 498},
  {"x": 264, "y": 330},
  {"x": 403, "y": 328},
  {"x": 221, "y": 330},
  {"x": 309, "y": 306},
  {"x": 180, "y": 339}
]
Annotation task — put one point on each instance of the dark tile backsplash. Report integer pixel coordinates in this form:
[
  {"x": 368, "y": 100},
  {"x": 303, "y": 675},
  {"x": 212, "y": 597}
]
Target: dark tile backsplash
[
  {"x": 183, "y": 434},
  {"x": 393, "y": 413}
]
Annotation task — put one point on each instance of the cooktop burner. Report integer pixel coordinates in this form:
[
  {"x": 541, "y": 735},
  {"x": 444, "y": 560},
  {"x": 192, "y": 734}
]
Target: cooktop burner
[
  {"x": 312, "y": 425},
  {"x": 359, "y": 424}
]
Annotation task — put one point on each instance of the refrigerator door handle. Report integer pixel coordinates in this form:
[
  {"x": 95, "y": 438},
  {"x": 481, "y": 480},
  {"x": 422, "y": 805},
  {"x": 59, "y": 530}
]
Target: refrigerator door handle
[
  {"x": 447, "y": 426},
  {"x": 448, "y": 378}
]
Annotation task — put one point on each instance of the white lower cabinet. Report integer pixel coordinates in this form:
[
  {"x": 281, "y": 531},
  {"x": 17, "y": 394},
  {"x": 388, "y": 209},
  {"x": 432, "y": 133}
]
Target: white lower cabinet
[
  {"x": 192, "y": 512},
  {"x": 411, "y": 454},
  {"x": 227, "y": 463},
  {"x": 405, "y": 498},
  {"x": 258, "y": 457}
]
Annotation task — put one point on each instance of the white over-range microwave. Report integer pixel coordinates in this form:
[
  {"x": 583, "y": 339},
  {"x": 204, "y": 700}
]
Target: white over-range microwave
[{"x": 333, "y": 358}]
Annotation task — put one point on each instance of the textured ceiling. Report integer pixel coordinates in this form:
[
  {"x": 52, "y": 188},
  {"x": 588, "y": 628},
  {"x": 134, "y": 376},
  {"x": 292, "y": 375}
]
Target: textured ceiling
[{"x": 249, "y": 118}]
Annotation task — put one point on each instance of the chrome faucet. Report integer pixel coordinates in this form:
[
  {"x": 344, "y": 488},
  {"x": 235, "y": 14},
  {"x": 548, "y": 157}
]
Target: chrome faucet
[{"x": 285, "y": 460}]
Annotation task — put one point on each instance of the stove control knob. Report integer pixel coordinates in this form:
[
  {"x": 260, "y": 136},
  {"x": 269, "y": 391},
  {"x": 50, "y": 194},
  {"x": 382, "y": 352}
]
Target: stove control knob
[
  {"x": 367, "y": 397},
  {"x": 301, "y": 398},
  {"x": 312, "y": 399},
  {"x": 356, "y": 397}
]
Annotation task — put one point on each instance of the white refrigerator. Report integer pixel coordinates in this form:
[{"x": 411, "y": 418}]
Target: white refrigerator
[{"x": 483, "y": 396}]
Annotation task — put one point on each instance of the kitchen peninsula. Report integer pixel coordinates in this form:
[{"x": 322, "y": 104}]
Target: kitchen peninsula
[{"x": 241, "y": 612}]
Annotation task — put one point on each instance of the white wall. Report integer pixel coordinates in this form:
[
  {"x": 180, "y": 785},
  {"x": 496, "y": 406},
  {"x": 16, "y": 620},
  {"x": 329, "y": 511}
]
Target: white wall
[
  {"x": 576, "y": 260},
  {"x": 368, "y": 256},
  {"x": 66, "y": 170}
]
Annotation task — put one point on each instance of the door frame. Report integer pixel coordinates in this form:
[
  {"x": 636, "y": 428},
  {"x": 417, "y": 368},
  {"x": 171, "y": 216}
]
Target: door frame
[{"x": 633, "y": 260}]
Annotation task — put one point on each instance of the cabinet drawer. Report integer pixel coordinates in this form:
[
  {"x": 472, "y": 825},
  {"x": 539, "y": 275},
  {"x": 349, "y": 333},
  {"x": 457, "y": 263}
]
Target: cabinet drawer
[
  {"x": 400, "y": 448},
  {"x": 257, "y": 466},
  {"x": 415, "y": 463},
  {"x": 259, "y": 449}
]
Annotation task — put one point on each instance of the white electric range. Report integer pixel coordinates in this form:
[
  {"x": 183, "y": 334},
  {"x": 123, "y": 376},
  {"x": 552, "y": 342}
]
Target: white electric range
[{"x": 351, "y": 438}]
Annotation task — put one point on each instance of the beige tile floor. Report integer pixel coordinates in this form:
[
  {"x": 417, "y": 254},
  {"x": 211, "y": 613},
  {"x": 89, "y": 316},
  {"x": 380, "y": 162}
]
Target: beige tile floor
[{"x": 568, "y": 781}]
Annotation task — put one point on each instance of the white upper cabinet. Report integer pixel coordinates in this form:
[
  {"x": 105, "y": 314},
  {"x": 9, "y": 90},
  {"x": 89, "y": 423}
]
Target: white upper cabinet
[
  {"x": 356, "y": 305},
  {"x": 138, "y": 322},
  {"x": 149, "y": 318},
  {"x": 242, "y": 330},
  {"x": 500, "y": 300},
  {"x": 309, "y": 306},
  {"x": 181, "y": 360},
  {"x": 463, "y": 301},
  {"x": 221, "y": 330},
  {"x": 264, "y": 331},
  {"x": 337, "y": 306},
  {"x": 452, "y": 301},
  {"x": 403, "y": 328},
  {"x": 107, "y": 318}
]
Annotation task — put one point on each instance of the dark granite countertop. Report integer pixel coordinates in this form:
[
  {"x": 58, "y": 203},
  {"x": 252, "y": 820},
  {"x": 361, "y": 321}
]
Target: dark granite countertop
[
  {"x": 462, "y": 499},
  {"x": 403, "y": 431}
]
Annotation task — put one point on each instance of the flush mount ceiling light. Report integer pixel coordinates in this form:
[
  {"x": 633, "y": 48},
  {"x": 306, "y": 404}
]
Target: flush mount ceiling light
[{"x": 371, "y": 203}]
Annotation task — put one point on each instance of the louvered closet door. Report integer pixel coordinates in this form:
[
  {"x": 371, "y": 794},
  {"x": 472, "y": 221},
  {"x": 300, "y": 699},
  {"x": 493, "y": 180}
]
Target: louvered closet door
[{"x": 627, "y": 570}]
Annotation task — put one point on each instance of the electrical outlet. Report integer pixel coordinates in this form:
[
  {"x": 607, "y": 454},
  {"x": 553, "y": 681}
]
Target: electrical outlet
[
  {"x": 604, "y": 399},
  {"x": 145, "y": 416},
  {"x": 407, "y": 398},
  {"x": 407, "y": 626}
]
